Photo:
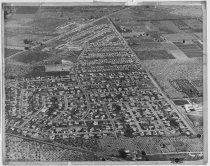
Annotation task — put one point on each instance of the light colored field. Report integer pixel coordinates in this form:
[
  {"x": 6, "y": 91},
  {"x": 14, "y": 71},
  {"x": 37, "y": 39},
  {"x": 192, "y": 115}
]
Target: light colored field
[
  {"x": 187, "y": 10},
  {"x": 150, "y": 144},
  {"x": 178, "y": 54},
  {"x": 194, "y": 24},
  {"x": 163, "y": 70},
  {"x": 150, "y": 27},
  {"x": 180, "y": 36},
  {"x": 19, "y": 21},
  {"x": 169, "y": 46}
]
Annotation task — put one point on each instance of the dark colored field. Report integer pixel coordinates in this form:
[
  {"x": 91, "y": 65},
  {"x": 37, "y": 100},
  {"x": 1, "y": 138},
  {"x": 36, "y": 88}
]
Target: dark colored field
[
  {"x": 36, "y": 73},
  {"x": 149, "y": 55},
  {"x": 31, "y": 57},
  {"x": 8, "y": 52},
  {"x": 181, "y": 102},
  {"x": 190, "y": 50},
  {"x": 26, "y": 9},
  {"x": 184, "y": 86}
]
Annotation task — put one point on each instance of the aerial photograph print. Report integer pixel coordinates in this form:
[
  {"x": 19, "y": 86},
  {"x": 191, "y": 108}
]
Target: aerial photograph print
[{"x": 104, "y": 83}]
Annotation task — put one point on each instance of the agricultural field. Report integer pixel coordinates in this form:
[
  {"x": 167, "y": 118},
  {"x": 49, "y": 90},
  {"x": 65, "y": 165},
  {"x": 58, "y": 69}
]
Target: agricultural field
[
  {"x": 197, "y": 100},
  {"x": 199, "y": 35},
  {"x": 149, "y": 55},
  {"x": 26, "y": 9},
  {"x": 31, "y": 57},
  {"x": 179, "y": 37},
  {"x": 195, "y": 24},
  {"x": 150, "y": 46},
  {"x": 8, "y": 52},
  {"x": 191, "y": 49},
  {"x": 192, "y": 11},
  {"x": 182, "y": 26},
  {"x": 167, "y": 27}
]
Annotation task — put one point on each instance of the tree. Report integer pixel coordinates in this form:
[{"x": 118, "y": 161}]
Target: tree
[
  {"x": 7, "y": 11},
  {"x": 143, "y": 153},
  {"x": 91, "y": 17},
  {"x": 173, "y": 123},
  {"x": 128, "y": 131},
  {"x": 122, "y": 153}
]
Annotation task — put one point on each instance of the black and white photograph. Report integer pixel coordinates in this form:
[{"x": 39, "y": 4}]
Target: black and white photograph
[{"x": 104, "y": 83}]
